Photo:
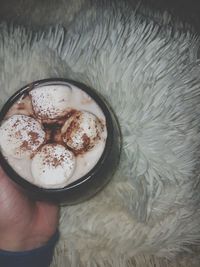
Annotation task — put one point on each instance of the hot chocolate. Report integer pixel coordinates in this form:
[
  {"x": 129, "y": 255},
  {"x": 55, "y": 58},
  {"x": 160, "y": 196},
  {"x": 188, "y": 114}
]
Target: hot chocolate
[{"x": 53, "y": 135}]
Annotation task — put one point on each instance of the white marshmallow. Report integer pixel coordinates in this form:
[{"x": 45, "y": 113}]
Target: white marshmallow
[
  {"x": 21, "y": 135},
  {"x": 82, "y": 131},
  {"x": 52, "y": 166},
  {"x": 51, "y": 102}
]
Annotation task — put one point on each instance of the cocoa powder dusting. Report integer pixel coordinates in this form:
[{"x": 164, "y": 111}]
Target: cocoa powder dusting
[
  {"x": 74, "y": 125},
  {"x": 70, "y": 113},
  {"x": 25, "y": 145},
  {"x": 86, "y": 142},
  {"x": 53, "y": 160},
  {"x": 34, "y": 136}
]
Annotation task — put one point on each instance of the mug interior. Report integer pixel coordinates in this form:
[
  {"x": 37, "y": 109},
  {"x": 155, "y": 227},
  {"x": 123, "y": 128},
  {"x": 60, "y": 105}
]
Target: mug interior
[{"x": 108, "y": 145}]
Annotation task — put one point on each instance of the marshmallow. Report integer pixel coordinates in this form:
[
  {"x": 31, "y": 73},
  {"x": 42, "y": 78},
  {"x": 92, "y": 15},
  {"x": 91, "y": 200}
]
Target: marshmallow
[
  {"x": 82, "y": 131},
  {"x": 52, "y": 166},
  {"x": 51, "y": 102},
  {"x": 21, "y": 135}
]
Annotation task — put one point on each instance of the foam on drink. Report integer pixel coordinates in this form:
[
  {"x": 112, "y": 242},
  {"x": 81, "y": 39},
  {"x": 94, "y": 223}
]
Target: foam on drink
[
  {"x": 69, "y": 125},
  {"x": 51, "y": 102},
  {"x": 21, "y": 136},
  {"x": 82, "y": 131},
  {"x": 52, "y": 166}
]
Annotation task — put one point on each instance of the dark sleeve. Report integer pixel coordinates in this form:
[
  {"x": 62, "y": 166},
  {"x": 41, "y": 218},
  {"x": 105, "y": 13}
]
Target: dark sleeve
[{"x": 39, "y": 257}]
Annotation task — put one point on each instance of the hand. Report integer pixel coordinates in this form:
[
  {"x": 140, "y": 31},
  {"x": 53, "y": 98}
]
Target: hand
[{"x": 24, "y": 224}]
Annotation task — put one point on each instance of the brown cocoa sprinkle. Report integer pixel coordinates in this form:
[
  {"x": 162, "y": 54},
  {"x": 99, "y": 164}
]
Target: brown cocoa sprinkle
[
  {"x": 56, "y": 162},
  {"x": 86, "y": 141},
  {"x": 48, "y": 135},
  {"x": 25, "y": 145},
  {"x": 18, "y": 134},
  {"x": 56, "y": 135},
  {"x": 78, "y": 115},
  {"x": 52, "y": 122},
  {"x": 16, "y": 123},
  {"x": 53, "y": 133},
  {"x": 70, "y": 113},
  {"x": 53, "y": 160},
  {"x": 34, "y": 136},
  {"x": 74, "y": 125},
  {"x": 80, "y": 151}
]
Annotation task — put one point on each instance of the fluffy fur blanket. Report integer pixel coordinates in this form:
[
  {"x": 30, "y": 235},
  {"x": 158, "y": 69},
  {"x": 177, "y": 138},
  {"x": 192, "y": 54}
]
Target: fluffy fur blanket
[{"x": 150, "y": 74}]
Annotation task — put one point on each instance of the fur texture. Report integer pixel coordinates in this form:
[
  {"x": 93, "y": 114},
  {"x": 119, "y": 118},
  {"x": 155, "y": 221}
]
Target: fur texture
[{"x": 151, "y": 76}]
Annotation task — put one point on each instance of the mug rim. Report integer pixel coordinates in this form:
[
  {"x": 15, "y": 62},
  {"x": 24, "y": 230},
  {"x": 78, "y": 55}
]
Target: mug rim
[{"x": 101, "y": 102}]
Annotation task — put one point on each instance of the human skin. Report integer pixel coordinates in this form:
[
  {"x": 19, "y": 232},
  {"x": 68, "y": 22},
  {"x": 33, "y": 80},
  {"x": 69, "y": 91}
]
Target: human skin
[{"x": 24, "y": 224}]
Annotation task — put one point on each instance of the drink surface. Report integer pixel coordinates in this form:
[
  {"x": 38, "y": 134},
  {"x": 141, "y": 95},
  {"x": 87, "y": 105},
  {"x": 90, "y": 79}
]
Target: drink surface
[{"x": 53, "y": 135}]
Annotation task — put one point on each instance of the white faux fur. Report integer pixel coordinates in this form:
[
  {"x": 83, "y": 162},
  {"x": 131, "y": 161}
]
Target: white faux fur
[{"x": 151, "y": 77}]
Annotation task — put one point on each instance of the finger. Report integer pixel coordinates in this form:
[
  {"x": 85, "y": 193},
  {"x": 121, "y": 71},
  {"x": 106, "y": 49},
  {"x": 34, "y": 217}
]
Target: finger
[{"x": 48, "y": 216}]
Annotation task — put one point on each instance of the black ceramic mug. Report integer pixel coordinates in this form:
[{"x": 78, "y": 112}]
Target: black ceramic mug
[{"x": 93, "y": 181}]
